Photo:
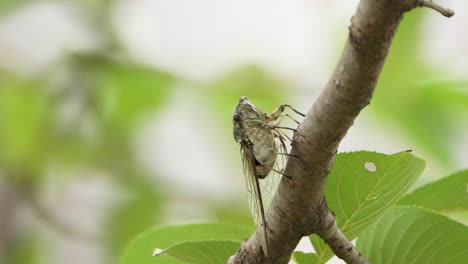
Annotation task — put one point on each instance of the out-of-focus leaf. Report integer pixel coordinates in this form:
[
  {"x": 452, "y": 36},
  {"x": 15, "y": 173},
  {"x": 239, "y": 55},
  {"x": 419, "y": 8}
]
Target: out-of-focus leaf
[
  {"x": 361, "y": 186},
  {"x": 449, "y": 193},
  {"x": 260, "y": 87},
  {"x": 414, "y": 235},
  {"x": 114, "y": 94},
  {"x": 235, "y": 212},
  {"x": 24, "y": 124},
  {"x": 304, "y": 258},
  {"x": 25, "y": 250},
  {"x": 141, "y": 249},
  {"x": 8, "y": 5},
  {"x": 424, "y": 111},
  {"x": 202, "y": 252},
  {"x": 139, "y": 210},
  {"x": 127, "y": 91}
]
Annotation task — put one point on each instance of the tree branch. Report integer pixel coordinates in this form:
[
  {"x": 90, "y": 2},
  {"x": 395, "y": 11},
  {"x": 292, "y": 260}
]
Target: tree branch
[
  {"x": 298, "y": 208},
  {"x": 341, "y": 246}
]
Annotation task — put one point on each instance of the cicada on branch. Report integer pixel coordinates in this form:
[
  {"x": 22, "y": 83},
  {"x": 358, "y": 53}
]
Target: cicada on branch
[{"x": 264, "y": 153}]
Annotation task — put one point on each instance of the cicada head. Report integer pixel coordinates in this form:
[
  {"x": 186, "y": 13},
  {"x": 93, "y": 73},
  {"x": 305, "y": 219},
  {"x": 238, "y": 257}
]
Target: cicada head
[{"x": 245, "y": 113}]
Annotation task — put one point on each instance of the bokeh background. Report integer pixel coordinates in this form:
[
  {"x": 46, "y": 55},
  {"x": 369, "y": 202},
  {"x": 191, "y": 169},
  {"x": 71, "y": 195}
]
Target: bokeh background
[{"x": 116, "y": 116}]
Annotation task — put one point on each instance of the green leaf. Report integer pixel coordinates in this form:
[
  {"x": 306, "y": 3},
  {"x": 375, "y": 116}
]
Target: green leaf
[
  {"x": 126, "y": 91},
  {"x": 361, "y": 186},
  {"x": 140, "y": 250},
  {"x": 233, "y": 212},
  {"x": 414, "y": 235},
  {"x": 24, "y": 249},
  {"x": 304, "y": 258},
  {"x": 9, "y": 5},
  {"x": 203, "y": 252},
  {"x": 25, "y": 122},
  {"x": 447, "y": 194},
  {"x": 263, "y": 89}
]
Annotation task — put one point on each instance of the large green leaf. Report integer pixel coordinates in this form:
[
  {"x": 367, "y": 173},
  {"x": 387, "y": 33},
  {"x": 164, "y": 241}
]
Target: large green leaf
[
  {"x": 203, "y": 252},
  {"x": 361, "y": 186},
  {"x": 414, "y": 235},
  {"x": 449, "y": 193},
  {"x": 141, "y": 249},
  {"x": 452, "y": 197}
]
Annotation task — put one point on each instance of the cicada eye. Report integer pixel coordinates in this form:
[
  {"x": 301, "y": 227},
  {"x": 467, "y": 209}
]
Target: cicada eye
[{"x": 237, "y": 117}]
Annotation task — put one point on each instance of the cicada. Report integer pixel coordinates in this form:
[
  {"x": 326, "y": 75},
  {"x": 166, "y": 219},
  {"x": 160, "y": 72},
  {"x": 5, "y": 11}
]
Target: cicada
[{"x": 263, "y": 151}]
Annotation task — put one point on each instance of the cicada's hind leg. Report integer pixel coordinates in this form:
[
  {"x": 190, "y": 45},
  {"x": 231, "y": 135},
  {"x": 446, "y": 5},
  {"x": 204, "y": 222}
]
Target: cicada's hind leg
[
  {"x": 284, "y": 153},
  {"x": 282, "y": 173},
  {"x": 281, "y": 135},
  {"x": 293, "y": 119}
]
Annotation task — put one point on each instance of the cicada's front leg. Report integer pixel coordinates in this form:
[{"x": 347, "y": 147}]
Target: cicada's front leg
[{"x": 280, "y": 114}]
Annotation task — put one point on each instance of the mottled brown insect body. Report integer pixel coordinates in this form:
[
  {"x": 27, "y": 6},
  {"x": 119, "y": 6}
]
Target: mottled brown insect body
[
  {"x": 251, "y": 128},
  {"x": 261, "y": 142}
]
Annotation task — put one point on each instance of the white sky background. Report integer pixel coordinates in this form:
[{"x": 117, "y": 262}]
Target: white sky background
[{"x": 199, "y": 40}]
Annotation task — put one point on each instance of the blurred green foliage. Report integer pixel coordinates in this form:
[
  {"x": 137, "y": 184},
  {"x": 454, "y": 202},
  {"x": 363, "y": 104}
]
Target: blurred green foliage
[
  {"x": 26, "y": 116},
  {"x": 252, "y": 81},
  {"x": 113, "y": 96},
  {"x": 24, "y": 250},
  {"x": 416, "y": 97},
  {"x": 140, "y": 211},
  {"x": 125, "y": 91},
  {"x": 8, "y": 5}
]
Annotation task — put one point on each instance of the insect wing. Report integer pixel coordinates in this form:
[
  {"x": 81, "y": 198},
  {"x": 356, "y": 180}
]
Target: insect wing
[
  {"x": 270, "y": 183},
  {"x": 254, "y": 194}
]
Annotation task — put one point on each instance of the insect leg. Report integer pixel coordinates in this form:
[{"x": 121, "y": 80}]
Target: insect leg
[
  {"x": 288, "y": 128},
  {"x": 281, "y": 134},
  {"x": 280, "y": 109},
  {"x": 282, "y": 173},
  {"x": 290, "y": 117}
]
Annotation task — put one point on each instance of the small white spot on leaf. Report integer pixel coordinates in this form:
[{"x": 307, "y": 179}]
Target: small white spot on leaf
[
  {"x": 157, "y": 251},
  {"x": 370, "y": 166}
]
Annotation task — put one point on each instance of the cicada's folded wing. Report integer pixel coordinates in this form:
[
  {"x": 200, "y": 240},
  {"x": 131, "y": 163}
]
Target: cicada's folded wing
[
  {"x": 269, "y": 184},
  {"x": 254, "y": 194}
]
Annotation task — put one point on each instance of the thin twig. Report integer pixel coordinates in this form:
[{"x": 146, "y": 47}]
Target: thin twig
[
  {"x": 341, "y": 246},
  {"x": 430, "y": 4}
]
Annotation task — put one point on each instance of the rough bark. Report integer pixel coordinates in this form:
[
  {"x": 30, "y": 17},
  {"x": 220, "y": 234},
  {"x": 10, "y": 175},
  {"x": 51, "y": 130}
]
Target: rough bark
[{"x": 298, "y": 208}]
